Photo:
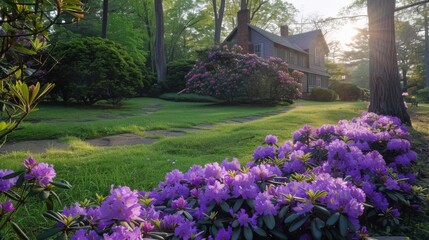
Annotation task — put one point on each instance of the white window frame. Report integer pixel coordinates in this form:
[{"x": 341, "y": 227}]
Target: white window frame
[{"x": 258, "y": 49}]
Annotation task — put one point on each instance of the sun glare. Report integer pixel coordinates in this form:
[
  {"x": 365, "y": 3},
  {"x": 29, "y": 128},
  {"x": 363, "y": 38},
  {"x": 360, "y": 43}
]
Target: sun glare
[{"x": 346, "y": 34}]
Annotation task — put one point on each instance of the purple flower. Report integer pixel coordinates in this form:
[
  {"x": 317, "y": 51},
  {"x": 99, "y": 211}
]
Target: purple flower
[
  {"x": 264, "y": 205},
  {"x": 185, "y": 230},
  {"x": 6, "y": 207},
  {"x": 42, "y": 172},
  {"x": 224, "y": 234},
  {"x": 234, "y": 165},
  {"x": 6, "y": 184},
  {"x": 83, "y": 234},
  {"x": 171, "y": 221},
  {"x": 271, "y": 139},
  {"x": 244, "y": 220},
  {"x": 121, "y": 232},
  {"x": 74, "y": 210},
  {"x": 122, "y": 204},
  {"x": 174, "y": 177},
  {"x": 179, "y": 203},
  {"x": 29, "y": 163}
]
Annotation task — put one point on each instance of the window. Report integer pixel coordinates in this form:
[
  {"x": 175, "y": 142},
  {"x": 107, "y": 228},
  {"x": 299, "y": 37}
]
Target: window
[
  {"x": 317, "y": 57},
  {"x": 314, "y": 81},
  {"x": 293, "y": 58},
  {"x": 258, "y": 49}
]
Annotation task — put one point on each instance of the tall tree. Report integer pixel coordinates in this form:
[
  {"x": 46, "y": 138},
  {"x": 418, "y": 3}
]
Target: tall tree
[
  {"x": 161, "y": 67},
  {"x": 384, "y": 80},
  {"x": 218, "y": 15},
  {"x": 104, "y": 22}
]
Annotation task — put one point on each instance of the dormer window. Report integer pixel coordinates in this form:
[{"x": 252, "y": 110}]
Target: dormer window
[{"x": 258, "y": 49}]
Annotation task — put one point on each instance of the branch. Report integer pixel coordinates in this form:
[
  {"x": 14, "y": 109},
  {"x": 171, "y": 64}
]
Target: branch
[{"x": 411, "y": 5}]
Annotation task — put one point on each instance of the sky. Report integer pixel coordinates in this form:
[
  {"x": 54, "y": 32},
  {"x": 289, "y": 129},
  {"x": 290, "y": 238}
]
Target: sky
[{"x": 330, "y": 8}]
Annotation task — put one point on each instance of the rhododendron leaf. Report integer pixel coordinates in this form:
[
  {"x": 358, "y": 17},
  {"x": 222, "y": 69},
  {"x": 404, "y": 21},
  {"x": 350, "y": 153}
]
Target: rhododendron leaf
[
  {"x": 12, "y": 194},
  {"x": 49, "y": 203},
  {"x": 251, "y": 203},
  {"x": 53, "y": 215},
  {"x": 315, "y": 231},
  {"x": 218, "y": 223},
  {"x": 298, "y": 223},
  {"x": 213, "y": 230},
  {"x": 269, "y": 221},
  {"x": 248, "y": 234},
  {"x": 283, "y": 211},
  {"x": 19, "y": 231},
  {"x": 12, "y": 175},
  {"x": 333, "y": 219},
  {"x": 279, "y": 235},
  {"x": 20, "y": 181},
  {"x": 343, "y": 225},
  {"x": 261, "y": 232},
  {"x": 225, "y": 207},
  {"x": 238, "y": 204},
  {"x": 210, "y": 208},
  {"x": 63, "y": 185},
  {"x": 63, "y": 236},
  {"x": 43, "y": 195},
  {"x": 236, "y": 234},
  {"x": 235, "y": 224},
  {"x": 291, "y": 218},
  {"x": 325, "y": 213},
  {"x": 188, "y": 215}
]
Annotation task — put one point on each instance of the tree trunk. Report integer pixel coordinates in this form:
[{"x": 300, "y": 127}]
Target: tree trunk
[
  {"x": 150, "y": 62},
  {"x": 426, "y": 45},
  {"x": 104, "y": 22},
  {"x": 404, "y": 79},
  {"x": 385, "y": 85},
  {"x": 218, "y": 14},
  {"x": 161, "y": 68}
]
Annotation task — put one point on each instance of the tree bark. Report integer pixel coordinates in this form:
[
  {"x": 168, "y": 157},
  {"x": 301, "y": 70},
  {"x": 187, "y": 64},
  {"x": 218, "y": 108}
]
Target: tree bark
[
  {"x": 161, "y": 67},
  {"x": 385, "y": 85},
  {"x": 426, "y": 45},
  {"x": 218, "y": 14},
  {"x": 105, "y": 15}
]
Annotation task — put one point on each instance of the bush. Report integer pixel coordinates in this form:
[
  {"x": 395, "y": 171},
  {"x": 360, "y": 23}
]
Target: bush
[
  {"x": 176, "y": 72},
  {"x": 321, "y": 185},
  {"x": 94, "y": 69},
  {"x": 187, "y": 97},
  {"x": 323, "y": 95},
  {"x": 423, "y": 95},
  {"x": 346, "y": 91},
  {"x": 229, "y": 75},
  {"x": 364, "y": 94}
]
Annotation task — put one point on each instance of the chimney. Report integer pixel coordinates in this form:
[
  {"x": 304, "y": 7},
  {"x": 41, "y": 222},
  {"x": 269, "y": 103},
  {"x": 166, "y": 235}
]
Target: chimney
[
  {"x": 284, "y": 30},
  {"x": 243, "y": 17}
]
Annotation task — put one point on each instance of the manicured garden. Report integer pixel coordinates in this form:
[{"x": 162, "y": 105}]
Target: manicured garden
[{"x": 92, "y": 170}]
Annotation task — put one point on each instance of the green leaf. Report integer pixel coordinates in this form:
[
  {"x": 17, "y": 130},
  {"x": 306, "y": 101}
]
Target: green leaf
[
  {"x": 248, "y": 234},
  {"x": 213, "y": 230},
  {"x": 333, "y": 219},
  {"x": 291, "y": 218},
  {"x": 235, "y": 224},
  {"x": 62, "y": 236},
  {"x": 236, "y": 234},
  {"x": 251, "y": 203},
  {"x": 24, "y": 50},
  {"x": 12, "y": 175},
  {"x": 43, "y": 195},
  {"x": 218, "y": 223},
  {"x": 225, "y": 207},
  {"x": 261, "y": 232},
  {"x": 63, "y": 185},
  {"x": 49, "y": 233},
  {"x": 283, "y": 211},
  {"x": 297, "y": 224},
  {"x": 279, "y": 235},
  {"x": 53, "y": 215},
  {"x": 12, "y": 194},
  {"x": 343, "y": 225},
  {"x": 238, "y": 204},
  {"x": 325, "y": 213},
  {"x": 19, "y": 231},
  {"x": 188, "y": 215},
  {"x": 269, "y": 221},
  {"x": 315, "y": 231}
]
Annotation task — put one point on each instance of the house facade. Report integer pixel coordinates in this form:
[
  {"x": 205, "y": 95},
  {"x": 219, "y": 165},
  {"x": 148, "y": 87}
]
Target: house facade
[{"x": 304, "y": 52}]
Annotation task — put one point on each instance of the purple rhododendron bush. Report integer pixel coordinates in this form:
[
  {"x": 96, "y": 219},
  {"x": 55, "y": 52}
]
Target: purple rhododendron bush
[
  {"x": 333, "y": 182},
  {"x": 227, "y": 74}
]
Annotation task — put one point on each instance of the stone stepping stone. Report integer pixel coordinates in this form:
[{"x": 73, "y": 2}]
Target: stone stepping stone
[
  {"x": 120, "y": 140},
  {"x": 165, "y": 133},
  {"x": 35, "y": 146}
]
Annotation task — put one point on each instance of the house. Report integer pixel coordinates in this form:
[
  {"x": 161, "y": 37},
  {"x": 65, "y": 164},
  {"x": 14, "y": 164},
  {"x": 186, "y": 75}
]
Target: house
[{"x": 304, "y": 52}]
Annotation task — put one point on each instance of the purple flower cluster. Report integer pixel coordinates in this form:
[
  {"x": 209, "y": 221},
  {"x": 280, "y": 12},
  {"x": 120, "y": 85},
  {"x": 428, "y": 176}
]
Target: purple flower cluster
[{"x": 42, "y": 173}]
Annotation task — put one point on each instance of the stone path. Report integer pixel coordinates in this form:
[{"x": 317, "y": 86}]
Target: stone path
[{"x": 151, "y": 136}]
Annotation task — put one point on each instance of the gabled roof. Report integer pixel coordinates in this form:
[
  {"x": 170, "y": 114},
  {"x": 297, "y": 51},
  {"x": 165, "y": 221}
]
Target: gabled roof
[
  {"x": 278, "y": 39},
  {"x": 307, "y": 39},
  {"x": 299, "y": 42}
]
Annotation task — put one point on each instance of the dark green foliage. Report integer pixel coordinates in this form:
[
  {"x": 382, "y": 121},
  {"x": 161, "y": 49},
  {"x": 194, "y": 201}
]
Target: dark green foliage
[
  {"x": 323, "y": 95},
  {"x": 94, "y": 69},
  {"x": 346, "y": 91},
  {"x": 364, "y": 94},
  {"x": 187, "y": 97},
  {"x": 176, "y": 72},
  {"x": 423, "y": 95}
]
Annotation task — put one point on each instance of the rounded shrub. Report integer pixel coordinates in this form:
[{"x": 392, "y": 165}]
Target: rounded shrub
[
  {"x": 94, "y": 69},
  {"x": 346, "y": 91},
  {"x": 323, "y": 95},
  {"x": 176, "y": 72},
  {"x": 229, "y": 75}
]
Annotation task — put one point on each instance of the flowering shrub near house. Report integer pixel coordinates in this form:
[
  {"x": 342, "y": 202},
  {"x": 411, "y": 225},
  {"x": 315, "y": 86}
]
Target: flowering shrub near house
[
  {"x": 229, "y": 75},
  {"x": 332, "y": 182}
]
